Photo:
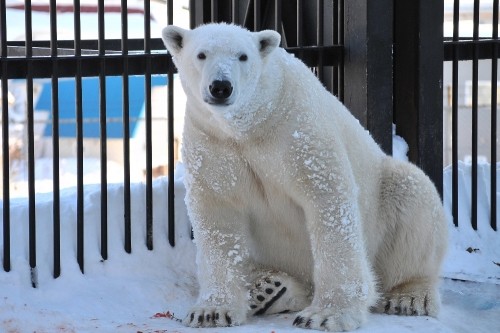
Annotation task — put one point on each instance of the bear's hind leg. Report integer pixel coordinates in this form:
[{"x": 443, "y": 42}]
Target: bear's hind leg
[
  {"x": 414, "y": 298},
  {"x": 277, "y": 292},
  {"x": 410, "y": 254}
]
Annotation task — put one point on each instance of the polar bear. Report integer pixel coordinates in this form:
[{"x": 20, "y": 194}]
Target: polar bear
[{"x": 294, "y": 206}]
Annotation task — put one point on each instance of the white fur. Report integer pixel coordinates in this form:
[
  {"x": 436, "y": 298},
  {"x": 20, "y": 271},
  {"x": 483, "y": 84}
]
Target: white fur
[{"x": 281, "y": 177}]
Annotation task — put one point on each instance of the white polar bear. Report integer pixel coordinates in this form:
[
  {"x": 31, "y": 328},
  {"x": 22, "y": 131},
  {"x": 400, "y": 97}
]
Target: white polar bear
[{"x": 293, "y": 205}]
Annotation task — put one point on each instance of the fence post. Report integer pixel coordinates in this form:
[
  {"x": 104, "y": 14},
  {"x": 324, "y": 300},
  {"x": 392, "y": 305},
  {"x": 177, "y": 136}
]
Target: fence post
[
  {"x": 368, "y": 83},
  {"x": 418, "y": 79}
]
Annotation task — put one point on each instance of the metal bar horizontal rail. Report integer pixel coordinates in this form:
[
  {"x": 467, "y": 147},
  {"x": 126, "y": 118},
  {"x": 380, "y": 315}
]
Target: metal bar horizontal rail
[
  {"x": 331, "y": 55},
  {"x": 91, "y": 120},
  {"x": 133, "y": 44},
  {"x": 16, "y": 67},
  {"x": 20, "y": 51},
  {"x": 465, "y": 48}
]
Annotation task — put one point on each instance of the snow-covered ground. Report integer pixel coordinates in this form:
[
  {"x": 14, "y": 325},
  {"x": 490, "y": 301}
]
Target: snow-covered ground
[{"x": 148, "y": 291}]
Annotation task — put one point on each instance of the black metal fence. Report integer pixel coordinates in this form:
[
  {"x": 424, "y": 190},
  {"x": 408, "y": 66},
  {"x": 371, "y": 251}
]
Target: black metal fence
[
  {"x": 462, "y": 46},
  {"x": 56, "y": 59},
  {"x": 382, "y": 67}
]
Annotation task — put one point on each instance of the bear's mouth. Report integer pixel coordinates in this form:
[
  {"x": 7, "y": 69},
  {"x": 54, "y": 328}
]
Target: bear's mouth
[{"x": 218, "y": 102}]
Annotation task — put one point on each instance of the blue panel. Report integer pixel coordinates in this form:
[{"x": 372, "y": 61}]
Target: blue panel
[{"x": 90, "y": 94}]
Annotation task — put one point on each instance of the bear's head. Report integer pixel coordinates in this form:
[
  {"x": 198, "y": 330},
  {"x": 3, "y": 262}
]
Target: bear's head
[{"x": 220, "y": 65}]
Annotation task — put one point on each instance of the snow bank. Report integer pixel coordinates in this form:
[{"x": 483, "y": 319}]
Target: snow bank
[
  {"x": 472, "y": 255},
  {"x": 93, "y": 261}
]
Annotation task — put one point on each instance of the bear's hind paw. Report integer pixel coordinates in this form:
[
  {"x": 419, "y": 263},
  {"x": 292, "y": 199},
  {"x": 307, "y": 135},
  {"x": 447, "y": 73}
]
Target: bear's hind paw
[
  {"x": 417, "y": 302},
  {"x": 277, "y": 292}
]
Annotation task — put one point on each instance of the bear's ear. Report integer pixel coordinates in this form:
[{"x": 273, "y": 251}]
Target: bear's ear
[
  {"x": 268, "y": 41},
  {"x": 173, "y": 37}
]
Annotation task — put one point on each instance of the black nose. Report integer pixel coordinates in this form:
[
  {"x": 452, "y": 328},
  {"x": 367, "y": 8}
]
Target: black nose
[{"x": 221, "y": 89}]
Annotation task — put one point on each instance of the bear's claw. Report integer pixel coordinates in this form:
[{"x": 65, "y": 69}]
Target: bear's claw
[
  {"x": 212, "y": 317},
  {"x": 329, "y": 320}
]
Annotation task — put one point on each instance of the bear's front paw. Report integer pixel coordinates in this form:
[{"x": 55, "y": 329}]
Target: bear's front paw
[
  {"x": 329, "y": 319},
  {"x": 214, "y": 317}
]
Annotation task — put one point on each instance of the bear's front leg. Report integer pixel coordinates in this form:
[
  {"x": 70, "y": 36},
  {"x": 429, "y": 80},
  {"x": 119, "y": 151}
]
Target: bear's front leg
[
  {"x": 344, "y": 288},
  {"x": 223, "y": 264}
]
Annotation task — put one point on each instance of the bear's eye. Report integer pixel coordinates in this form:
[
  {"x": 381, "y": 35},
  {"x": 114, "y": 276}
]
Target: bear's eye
[
  {"x": 202, "y": 56},
  {"x": 243, "y": 57}
]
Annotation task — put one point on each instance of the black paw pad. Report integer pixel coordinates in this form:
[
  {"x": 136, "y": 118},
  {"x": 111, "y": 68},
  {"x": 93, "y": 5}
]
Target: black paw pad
[{"x": 270, "y": 302}]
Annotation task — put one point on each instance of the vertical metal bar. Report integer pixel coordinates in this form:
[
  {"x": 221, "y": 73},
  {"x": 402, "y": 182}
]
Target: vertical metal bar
[
  {"x": 126, "y": 130},
  {"x": 31, "y": 143},
  {"x": 5, "y": 140},
  {"x": 494, "y": 101},
  {"x": 340, "y": 17},
  {"x": 79, "y": 139},
  {"x": 103, "y": 130},
  {"x": 214, "y": 10},
  {"x": 235, "y": 11},
  {"x": 330, "y": 40},
  {"x": 300, "y": 27},
  {"x": 335, "y": 76},
  {"x": 319, "y": 37},
  {"x": 454, "y": 113},
  {"x": 148, "y": 116},
  {"x": 300, "y": 24},
  {"x": 55, "y": 141},
  {"x": 171, "y": 138},
  {"x": 257, "y": 21},
  {"x": 277, "y": 16},
  {"x": 475, "y": 78},
  {"x": 192, "y": 13}
]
